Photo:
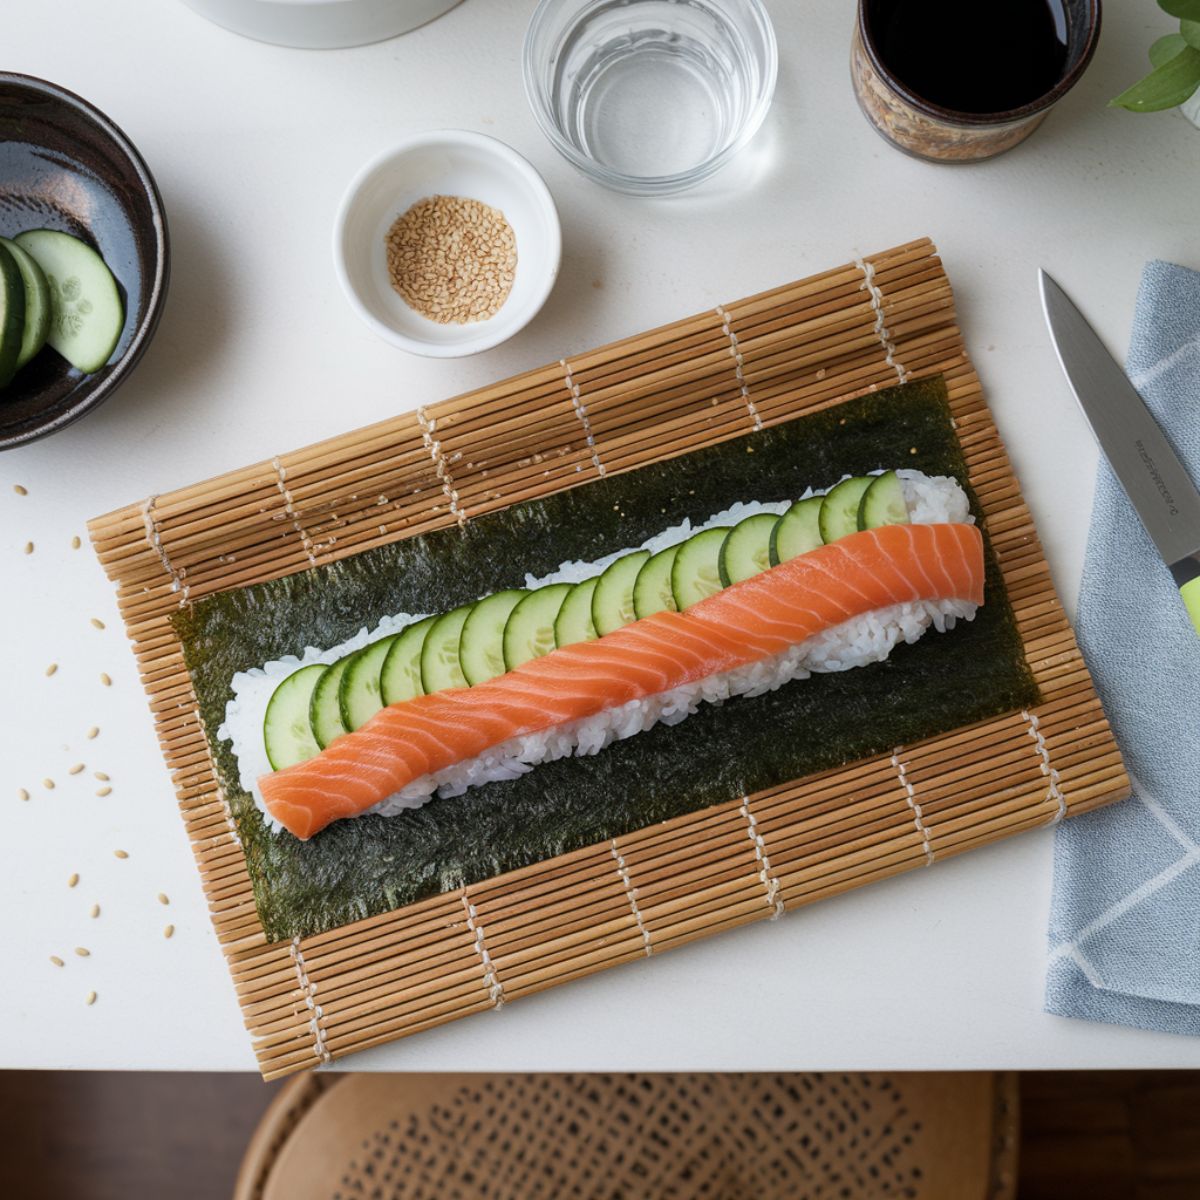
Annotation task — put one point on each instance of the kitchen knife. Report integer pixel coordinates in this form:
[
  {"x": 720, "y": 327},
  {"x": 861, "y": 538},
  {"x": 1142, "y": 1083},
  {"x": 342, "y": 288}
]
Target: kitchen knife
[{"x": 1156, "y": 482}]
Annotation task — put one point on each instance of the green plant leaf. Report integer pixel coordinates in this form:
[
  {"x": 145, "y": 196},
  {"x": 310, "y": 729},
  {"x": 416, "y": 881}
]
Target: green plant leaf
[
  {"x": 1167, "y": 86},
  {"x": 1166, "y": 48},
  {"x": 1190, "y": 32},
  {"x": 1187, "y": 10}
]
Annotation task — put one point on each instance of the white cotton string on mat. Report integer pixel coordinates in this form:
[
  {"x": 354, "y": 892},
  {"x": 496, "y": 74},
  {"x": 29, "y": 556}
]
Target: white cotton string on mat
[
  {"x": 290, "y": 509},
  {"x": 317, "y": 1013},
  {"x": 881, "y": 329},
  {"x": 441, "y": 466},
  {"x": 226, "y": 807},
  {"x": 582, "y": 413},
  {"x": 1053, "y": 791},
  {"x": 910, "y": 796},
  {"x": 631, "y": 896},
  {"x": 765, "y": 874},
  {"x": 154, "y": 537},
  {"x": 738, "y": 365},
  {"x": 490, "y": 979}
]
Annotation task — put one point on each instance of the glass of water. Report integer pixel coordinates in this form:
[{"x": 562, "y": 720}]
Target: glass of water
[{"x": 650, "y": 96}]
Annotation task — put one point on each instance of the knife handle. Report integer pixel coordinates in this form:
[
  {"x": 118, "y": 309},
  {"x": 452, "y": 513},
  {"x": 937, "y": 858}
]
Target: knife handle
[
  {"x": 1187, "y": 577},
  {"x": 1191, "y": 600}
]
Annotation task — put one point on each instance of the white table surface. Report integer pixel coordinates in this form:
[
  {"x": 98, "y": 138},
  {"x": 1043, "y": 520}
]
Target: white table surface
[{"x": 258, "y": 352}]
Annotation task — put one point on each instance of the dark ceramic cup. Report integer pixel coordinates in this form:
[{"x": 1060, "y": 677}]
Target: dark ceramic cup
[
  {"x": 64, "y": 165},
  {"x": 931, "y": 131}
]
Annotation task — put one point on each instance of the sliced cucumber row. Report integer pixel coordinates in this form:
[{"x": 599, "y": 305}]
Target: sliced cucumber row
[
  {"x": 479, "y": 641},
  {"x": 56, "y": 290}
]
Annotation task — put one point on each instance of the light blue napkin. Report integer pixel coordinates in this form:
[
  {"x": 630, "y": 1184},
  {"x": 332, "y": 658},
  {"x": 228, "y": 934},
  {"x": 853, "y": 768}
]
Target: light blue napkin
[{"x": 1125, "y": 916}]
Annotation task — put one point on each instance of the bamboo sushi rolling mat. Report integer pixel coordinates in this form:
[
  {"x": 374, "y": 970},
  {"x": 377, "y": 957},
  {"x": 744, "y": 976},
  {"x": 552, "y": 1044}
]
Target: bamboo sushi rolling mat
[{"x": 744, "y": 365}]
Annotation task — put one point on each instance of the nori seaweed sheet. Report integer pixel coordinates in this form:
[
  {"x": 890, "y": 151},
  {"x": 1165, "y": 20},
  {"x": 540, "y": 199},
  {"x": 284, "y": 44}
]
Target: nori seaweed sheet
[{"x": 356, "y": 868}]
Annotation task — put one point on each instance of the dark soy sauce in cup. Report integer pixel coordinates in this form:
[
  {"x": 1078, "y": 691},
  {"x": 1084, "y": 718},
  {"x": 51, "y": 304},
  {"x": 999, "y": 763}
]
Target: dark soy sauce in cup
[{"x": 970, "y": 56}]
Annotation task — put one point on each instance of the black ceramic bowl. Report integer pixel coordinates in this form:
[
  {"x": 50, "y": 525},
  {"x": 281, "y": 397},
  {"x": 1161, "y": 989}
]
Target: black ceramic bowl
[{"x": 64, "y": 165}]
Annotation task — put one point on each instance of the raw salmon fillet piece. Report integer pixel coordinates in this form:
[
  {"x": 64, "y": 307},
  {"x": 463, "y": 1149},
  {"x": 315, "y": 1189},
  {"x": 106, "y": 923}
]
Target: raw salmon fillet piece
[{"x": 741, "y": 624}]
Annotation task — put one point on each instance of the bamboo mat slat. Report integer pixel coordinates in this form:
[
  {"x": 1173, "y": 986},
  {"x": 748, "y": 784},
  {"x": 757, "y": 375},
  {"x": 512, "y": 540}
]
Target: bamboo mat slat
[{"x": 744, "y": 365}]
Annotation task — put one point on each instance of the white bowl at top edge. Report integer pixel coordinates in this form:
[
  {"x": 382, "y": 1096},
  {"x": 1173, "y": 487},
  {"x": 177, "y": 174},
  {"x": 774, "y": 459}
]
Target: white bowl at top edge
[
  {"x": 448, "y": 163},
  {"x": 320, "y": 24}
]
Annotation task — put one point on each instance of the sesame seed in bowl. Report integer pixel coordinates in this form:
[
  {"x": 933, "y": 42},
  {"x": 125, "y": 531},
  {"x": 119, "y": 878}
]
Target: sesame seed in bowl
[
  {"x": 452, "y": 260},
  {"x": 447, "y": 244}
]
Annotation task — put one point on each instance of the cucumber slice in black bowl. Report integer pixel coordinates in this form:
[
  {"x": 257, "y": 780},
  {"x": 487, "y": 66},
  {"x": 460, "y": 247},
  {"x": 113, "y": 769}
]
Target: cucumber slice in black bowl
[{"x": 65, "y": 166}]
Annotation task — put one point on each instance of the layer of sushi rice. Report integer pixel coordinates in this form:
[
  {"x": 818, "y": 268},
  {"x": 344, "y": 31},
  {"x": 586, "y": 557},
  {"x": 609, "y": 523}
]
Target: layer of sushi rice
[{"x": 855, "y": 643}]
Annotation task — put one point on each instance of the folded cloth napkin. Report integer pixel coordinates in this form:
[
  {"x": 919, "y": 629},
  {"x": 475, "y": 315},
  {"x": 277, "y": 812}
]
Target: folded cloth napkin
[{"x": 1125, "y": 915}]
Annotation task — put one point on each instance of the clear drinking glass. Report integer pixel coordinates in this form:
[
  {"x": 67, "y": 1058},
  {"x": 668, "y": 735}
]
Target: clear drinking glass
[{"x": 650, "y": 96}]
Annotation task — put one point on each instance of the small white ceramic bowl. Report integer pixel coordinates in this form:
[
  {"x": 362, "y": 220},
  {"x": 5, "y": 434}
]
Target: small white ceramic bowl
[{"x": 446, "y": 163}]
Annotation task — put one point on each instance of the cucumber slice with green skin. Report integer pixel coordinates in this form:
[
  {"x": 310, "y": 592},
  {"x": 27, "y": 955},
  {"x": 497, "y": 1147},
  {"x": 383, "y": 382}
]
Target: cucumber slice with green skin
[
  {"x": 324, "y": 711},
  {"x": 481, "y": 647},
  {"x": 440, "y": 664},
  {"x": 798, "y": 531},
  {"x": 400, "y": 675},
  {"x": 12, "y": 315},
  {"x": 883, "y": 503},
  {"x": 529, "y": 632},
  {"x": 37, "y": 302},
  {"x": 696, "y": 571},
  {"x": 287, "y": 731},
  {"x": 574, "y": 620},
  {"x": 358, "y": 693},
  {"x": 747, "y": 549},
  {"x": 86, "y": 313},
  {"x": 839, "y": 510},
  {"x": 612, "y": 601},
  {"x": 652, "y": 590}
]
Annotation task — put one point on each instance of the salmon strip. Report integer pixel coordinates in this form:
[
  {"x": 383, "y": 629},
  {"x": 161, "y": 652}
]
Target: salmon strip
[{"x": 745, "y": 623}]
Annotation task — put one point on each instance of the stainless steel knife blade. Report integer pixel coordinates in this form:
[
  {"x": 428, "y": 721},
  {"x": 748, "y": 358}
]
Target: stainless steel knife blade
[{"x": 1156, "y": 482}]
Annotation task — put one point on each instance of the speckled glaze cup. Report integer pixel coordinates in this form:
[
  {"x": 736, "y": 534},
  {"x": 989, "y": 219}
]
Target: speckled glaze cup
[{"x": 926, "y": 130}]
